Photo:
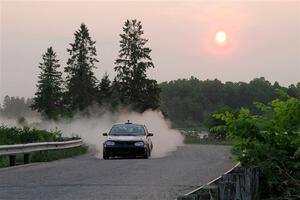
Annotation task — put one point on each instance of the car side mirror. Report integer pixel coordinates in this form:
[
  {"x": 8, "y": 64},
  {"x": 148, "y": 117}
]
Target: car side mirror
[
  {"x": 150, "y": 134},
  {"x": 104, "y": 134}
]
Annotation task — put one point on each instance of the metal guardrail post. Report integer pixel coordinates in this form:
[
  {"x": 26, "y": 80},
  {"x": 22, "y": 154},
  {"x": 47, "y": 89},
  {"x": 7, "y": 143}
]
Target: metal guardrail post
[
  {"x": 12, "y": 160},
  {"x": 26, "y": 158}
]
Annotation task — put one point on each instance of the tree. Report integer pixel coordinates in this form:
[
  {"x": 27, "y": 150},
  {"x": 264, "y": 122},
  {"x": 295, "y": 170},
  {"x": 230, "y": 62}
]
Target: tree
[
  {"x": 48, "y": 97},
  {"x": 81, "y": 82},
  {"x": 15, "y": 107},
  {"x": 212, "y": 122},
  {"x": 134, "y": 59},
  {"x": 294, "y": 91},
  {"x": 104, "y": 90}
]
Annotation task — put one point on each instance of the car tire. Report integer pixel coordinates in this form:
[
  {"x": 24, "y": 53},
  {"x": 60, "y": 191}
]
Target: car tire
[{"x": 105, "y": 157}]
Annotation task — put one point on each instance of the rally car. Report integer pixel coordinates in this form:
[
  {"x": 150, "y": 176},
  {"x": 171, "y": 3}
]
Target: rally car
[{"x": 127, "y": 139}]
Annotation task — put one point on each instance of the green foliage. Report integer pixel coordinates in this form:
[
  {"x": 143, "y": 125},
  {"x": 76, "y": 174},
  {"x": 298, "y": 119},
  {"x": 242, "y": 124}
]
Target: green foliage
[
  {"x": 48, "y": 97},
  {"x": 271, "y": 141},
  {"x": 190, "y": 102},
  {"x": 211, "y": 122},
  {"x": 294, "y": 91},
  {"x": 181, "y": 102},
  {"x": 105, "y": 90},
  {"x": 4, "y": 161},
  {"x": 16, "y": 135},
  {"x": 134, "y": 89},
  {"x": 81, "y": 82}
]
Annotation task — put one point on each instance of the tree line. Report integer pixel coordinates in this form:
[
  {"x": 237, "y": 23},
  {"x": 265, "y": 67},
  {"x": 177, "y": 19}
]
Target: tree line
[
  {"x": 186, "y": 102},
  {"x": 58, "y": 97},
  {"x": 16, "y": 107},
  {"x": 191, "y": 102}
]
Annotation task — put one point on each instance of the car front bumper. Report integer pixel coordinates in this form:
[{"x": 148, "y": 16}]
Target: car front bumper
[{"x": 124, "y": 151}]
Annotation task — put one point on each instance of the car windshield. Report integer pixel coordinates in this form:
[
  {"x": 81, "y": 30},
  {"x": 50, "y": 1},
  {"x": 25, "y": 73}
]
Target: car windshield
[{"x": 127, "y": 130}]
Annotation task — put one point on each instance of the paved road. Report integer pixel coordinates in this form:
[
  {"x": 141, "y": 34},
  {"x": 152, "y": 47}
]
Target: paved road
[{"x": 88, "y": 178}]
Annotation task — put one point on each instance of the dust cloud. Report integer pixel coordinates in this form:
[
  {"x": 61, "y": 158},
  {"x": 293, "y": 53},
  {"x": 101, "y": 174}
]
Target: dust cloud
[{"x": 90, "y": 129}]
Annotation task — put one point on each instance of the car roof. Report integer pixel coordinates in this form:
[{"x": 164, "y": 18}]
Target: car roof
[{"x": 128, "y": 123}]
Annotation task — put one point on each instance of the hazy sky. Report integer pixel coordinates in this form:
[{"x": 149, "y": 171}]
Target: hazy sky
[{"x": 263, "y": 38}]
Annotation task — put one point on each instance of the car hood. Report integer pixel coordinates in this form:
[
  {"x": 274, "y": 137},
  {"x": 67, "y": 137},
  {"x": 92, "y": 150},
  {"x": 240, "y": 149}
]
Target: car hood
[{"x": 126, "y": 138}]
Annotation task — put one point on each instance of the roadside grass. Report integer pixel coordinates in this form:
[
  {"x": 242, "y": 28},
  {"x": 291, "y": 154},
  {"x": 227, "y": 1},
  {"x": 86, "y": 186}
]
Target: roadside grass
[
  {"x": 4, "y": 162},
  {"x": 45, "y": 156}
]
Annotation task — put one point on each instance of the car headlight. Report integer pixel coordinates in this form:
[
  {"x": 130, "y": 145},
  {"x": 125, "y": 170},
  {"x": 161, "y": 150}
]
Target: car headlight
[
  {"x": 139, "y": 144},
  {"x": 109, "y": 143}
]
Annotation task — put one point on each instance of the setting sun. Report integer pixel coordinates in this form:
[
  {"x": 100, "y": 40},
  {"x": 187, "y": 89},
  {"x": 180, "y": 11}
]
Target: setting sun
[{"x": 221, "y": 37}]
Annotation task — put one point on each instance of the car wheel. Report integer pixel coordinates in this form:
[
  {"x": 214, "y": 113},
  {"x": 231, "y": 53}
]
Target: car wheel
[{"x": 105, "y": 157}]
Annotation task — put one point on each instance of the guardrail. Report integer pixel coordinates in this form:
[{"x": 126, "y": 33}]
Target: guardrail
[
  {"x": 13, "y": 150},
  {"x": 214, "y": 181},
  {"x": 237, "y": 183}
]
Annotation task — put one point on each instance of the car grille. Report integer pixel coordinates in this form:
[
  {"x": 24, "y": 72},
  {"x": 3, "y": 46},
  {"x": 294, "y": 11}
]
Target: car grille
[{"x": 124, "y": 143}]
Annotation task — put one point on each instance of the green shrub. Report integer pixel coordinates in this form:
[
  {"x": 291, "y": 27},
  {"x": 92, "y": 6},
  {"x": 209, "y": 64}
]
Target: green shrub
[
  {"x": 271, "y": 141},
  {"x": 14, "y": 135}
]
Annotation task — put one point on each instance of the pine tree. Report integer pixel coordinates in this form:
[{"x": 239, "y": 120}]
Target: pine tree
[
  {"x": 104, "y": 90},
  {"x": 134, "y": 59},
  {"x": 48, "y": 97},
  {"x": 115, "y": 96},
  {"x": 81, "y": 82}
]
